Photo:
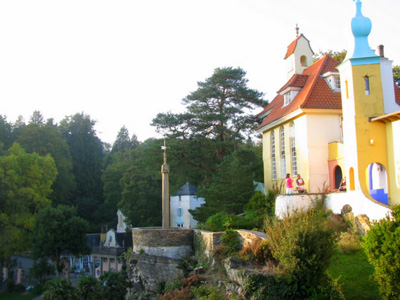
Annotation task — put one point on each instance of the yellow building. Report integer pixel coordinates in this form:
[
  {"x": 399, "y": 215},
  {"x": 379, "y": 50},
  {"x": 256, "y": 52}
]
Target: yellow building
[{"x": 329, "y": 122}]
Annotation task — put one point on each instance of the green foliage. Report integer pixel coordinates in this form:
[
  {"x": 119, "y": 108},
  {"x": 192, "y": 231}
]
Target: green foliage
[
  {"x": 206, "y": 292},
  {"x": 47, "y": 139},
  {"x": 396, "y": 75},
  {"x": 303, "y": 246},
  {"x": 218, "y": 222},
  {"x": 58, "y": 229},
  {"x": 114, "y": 285},
  {"x": 231, "y": 241},
  {"x": 231, "y": 185},
  {"x": 25, "y": 183},
  {"x": 337, "y": 55},
  {"x": 141, "y": 194},
  {"x": 58, "y": 289},
  {"x": 88, "y": 288},
  {"x": 382, "y": 246},
  {"x": 258, "y": 251},
  {"x": 40, "y": 269},
  {"x": 87, "y": 159}
]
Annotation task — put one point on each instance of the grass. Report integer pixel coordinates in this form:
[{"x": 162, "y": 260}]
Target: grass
[
  {"x": 16, "y": 296},
  {"x": 354, "y": 271}
]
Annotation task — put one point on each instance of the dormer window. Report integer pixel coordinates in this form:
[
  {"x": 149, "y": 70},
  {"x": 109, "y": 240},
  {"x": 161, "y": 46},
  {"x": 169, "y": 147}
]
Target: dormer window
[
  {"x": 333, "y": 79},
  {"x": 289, "y": 96}
]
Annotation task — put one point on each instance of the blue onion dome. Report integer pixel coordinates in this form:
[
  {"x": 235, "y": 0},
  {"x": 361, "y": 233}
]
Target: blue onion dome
[{"x": 361, "y": 28}]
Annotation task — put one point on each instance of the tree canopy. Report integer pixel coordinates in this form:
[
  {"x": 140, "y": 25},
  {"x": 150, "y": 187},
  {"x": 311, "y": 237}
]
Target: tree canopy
[
  {"x": 25, "y": 183},
  {"x": 59, "y": 229}
]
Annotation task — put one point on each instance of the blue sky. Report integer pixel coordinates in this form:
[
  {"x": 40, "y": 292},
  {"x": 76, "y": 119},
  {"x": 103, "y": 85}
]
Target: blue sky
[{"x": 122, "y": 62}]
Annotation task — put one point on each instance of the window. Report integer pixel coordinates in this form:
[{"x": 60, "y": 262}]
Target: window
[
  {"x": 293, "y": 149},
  {"x": 273, "y": 157},
  {"x": 287, "y": 98},
  {"x": 303, "y": 61},
  {"x": 366, "y": 83},
  {"x": 337, "y": 82},
  {"x": 282, "y": 149}
]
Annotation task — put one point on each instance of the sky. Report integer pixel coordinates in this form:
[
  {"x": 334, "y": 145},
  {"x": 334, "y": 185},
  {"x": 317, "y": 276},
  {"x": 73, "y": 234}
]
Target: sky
[{"x": 123, "y": 62}]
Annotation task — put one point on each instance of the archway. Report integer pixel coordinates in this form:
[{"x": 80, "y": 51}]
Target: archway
[
  {"x": 338, "y": 176},
  {"x": 378, "y": 183}
]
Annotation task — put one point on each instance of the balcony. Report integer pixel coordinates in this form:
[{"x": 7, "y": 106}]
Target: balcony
[{"x": 108, "y": 250}]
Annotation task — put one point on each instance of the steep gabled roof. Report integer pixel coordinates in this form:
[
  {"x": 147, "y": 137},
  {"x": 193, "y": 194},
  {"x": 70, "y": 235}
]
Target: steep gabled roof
[
  {"x": 315, "y": 93},
  {"x": 292, "y": 46}
]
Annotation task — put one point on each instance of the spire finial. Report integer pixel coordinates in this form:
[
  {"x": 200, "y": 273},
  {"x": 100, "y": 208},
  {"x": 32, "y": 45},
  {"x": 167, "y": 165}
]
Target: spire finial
[{"x": 297, "y": 30}]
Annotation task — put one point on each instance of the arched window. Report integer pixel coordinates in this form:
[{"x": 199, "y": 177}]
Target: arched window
[
  {"x": 282, "y": 149},
  {"x": 293, "y": 149},
  {"x": 273, "y": 155},
  {"x": 303, "y": 61}
]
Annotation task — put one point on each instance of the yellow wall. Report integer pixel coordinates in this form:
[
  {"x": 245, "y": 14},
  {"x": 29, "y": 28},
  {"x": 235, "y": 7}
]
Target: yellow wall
[{"x": 367, "y": 106}]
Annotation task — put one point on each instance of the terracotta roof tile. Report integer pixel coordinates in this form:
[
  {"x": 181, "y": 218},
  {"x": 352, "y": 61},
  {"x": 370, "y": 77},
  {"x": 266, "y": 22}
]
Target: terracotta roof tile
[
  {"x": 397, "y": 94},
  {"x": 316, "y": 93}
]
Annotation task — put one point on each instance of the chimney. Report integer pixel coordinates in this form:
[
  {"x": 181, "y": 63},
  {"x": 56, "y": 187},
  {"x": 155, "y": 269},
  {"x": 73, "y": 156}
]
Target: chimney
[{"x": 381, "y": 51}]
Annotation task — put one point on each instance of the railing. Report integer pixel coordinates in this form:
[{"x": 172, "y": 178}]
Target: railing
[{"x": 108, "y": 250}]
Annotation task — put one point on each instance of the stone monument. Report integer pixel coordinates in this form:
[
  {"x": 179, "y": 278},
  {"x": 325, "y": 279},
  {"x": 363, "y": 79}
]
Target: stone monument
[{"x": 165, "y": 190}]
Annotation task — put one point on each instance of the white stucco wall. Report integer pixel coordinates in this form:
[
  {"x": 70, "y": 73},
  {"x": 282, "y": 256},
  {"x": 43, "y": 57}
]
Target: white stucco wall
[
  {"x": 322, "y": 129},
  {"x": 284, "y": 204},
  {"x": 185, "y": 202}
]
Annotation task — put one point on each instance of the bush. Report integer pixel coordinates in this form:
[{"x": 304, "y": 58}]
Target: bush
[
  {"x": 303, "y": 246},
  {"x": 258, "y": 251},
  {"x": 114, "y": 285},
  {"x": 58, "y": 289},
  {"x": 219, "y": 222},
  {"x": 88, "y": 288},
  {"x": 382, "y": 246}
]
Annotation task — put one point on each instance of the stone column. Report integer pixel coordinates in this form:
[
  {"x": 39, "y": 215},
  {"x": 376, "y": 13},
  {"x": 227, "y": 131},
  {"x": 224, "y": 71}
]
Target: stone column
[{"x": 165, "y": 190}]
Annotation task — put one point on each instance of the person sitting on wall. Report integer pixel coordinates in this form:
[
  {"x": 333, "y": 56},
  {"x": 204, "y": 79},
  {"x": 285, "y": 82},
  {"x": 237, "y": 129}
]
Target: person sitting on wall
[
  {"x": 342, "y": 186},
  {"x": 300, "y": 188},
  {"x": 289, "y": 184}
]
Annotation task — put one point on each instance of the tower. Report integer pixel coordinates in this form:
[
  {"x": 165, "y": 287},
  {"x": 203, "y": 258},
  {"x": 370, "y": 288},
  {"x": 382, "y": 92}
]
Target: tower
[{"x": 367, "y": 88}]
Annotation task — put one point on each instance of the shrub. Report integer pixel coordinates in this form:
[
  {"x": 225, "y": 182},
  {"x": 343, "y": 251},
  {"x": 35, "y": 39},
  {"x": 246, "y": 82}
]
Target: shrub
[
  {"x": 303, "y": 246},
  {"x": 382, "y": 246},
  {"x": 258, "y": 251},
  {"x": 219, "y": 222},
  {"x": 230, "y": 239},
  {"x": 208, "y": 293},
  {"x": 58, "y": 289},
  {"x": 114, "y": 285},
  {"x": 88, "y": 288}
]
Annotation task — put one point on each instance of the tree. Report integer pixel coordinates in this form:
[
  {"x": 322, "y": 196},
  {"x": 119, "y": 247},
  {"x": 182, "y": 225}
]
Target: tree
[
  {"x": 217, "y": 111},
  {"x": 87, "y": 160},
  {"x": 47, "y": 139},
  {"x": 59, "y": 229},
  {"x": 382, "y": 246},
  {"x": 338, "y": 55},
  {"x": 25, "y": 183},
  {"x": 396, "y": 75},
  {"x": 231, "y": 185},
  {"x": 5, "y": 134},
  {"x": 37, "y": 118},
  {"x": 141, "y": 194}
]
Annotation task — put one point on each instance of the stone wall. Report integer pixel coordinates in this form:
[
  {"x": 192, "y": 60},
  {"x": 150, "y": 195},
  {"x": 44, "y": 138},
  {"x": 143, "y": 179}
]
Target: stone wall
[{"x": 173, "y": 242}]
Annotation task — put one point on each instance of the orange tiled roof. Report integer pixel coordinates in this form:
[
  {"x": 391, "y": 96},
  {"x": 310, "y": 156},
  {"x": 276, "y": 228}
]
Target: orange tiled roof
[
  {"x": 315, "y": 92},
  {"x": 397, "y": 94},
  {"x": 292, "y": 46}
]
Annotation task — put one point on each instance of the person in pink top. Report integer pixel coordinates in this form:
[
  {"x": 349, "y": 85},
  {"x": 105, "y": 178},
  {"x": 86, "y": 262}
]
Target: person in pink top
[{"x": 289, "y": 184}]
